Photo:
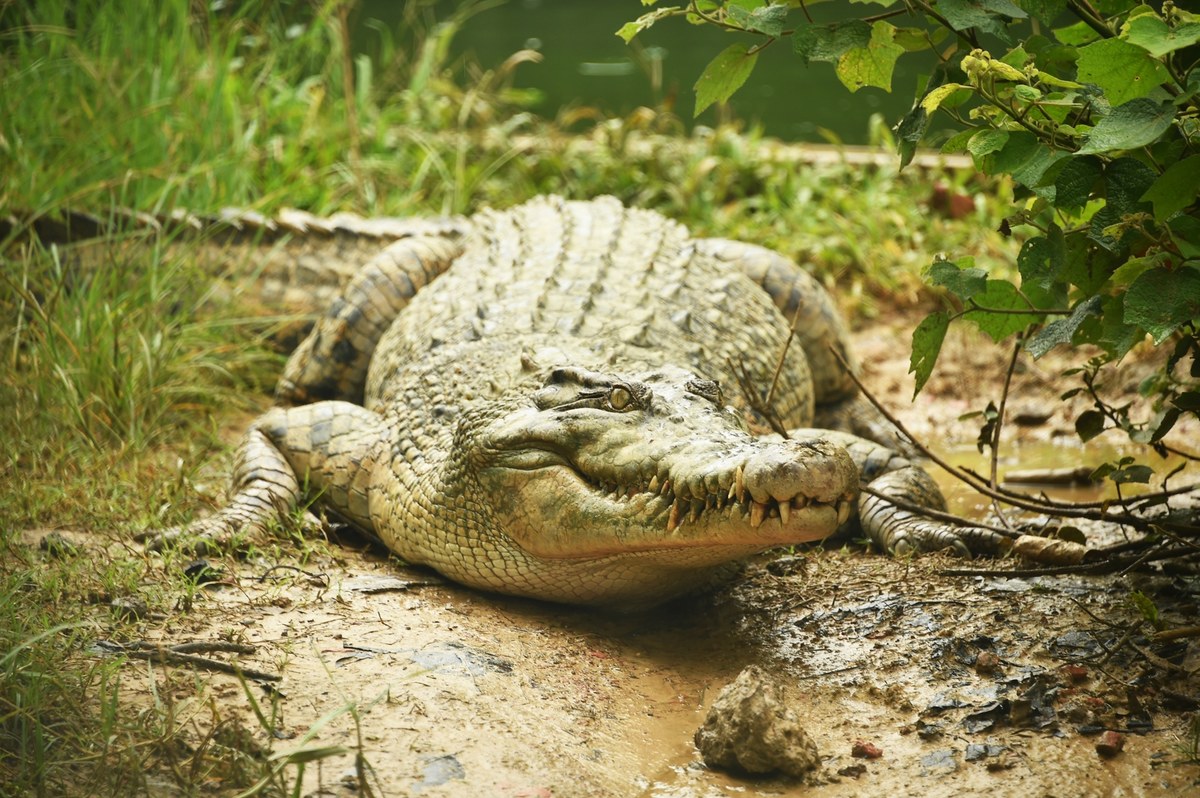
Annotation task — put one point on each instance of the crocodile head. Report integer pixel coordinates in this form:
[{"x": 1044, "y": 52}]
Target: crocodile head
[{"x": 641, "y": 486}]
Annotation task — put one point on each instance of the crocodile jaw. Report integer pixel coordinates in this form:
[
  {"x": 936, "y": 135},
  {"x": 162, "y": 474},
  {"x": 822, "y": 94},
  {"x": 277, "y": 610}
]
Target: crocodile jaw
[{"x": 579, "y": 483}]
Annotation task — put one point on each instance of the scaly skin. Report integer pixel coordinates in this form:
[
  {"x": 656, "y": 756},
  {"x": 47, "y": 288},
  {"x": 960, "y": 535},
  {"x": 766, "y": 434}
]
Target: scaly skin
[{"x": 538, "y": 410}]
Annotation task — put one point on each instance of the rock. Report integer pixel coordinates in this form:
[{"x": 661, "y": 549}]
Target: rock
[
  {"x": 752, "y": 728},
  {"x": 1110, "y": 744},
  {"x": 865, "y": 750}
]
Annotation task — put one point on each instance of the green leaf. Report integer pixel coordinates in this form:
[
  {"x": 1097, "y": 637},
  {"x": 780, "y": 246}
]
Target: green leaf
[
  {"x": 765, "y": 19},
  {"x": 1161, "y": 300},
  {"x": 983, "y": 15},
  {"x": 1134, "y": 268},
  {"x": 830, "y": 42},
  {"x": 1123, "y": 71},
  {"x": 724, "y": 75},
  {"x": 915, "y": 40},
  {"x": 1176, "y": 189},
  {"x": 912, "y": 127},
  {"x": 984, "y": 143},
  {"x": 1132, "y": 473},
  {"x": 1126, "y": 180},
  {"x": 631, "y": 29},
  {"x": 1045, "y": 10},
  {"x": 933, "y": 99},
  {"x": 1060, "y": 331},
  {"x": 1135, "y": 124},
  {"x": 1026, "y": 94},
  {"x": 1153, "y": 34},
  {"x": 958, "y": 142},
  {"x": 1185, "y": 232},
  {"x": 1042, "y": 259},
  {"x": 1077, "y": 34},
  {"x": 926, "y": 344},
  {"x": 1074, "y": 183},
  {"x": 1088, "y": 425},
  {"x": 871, "y": 65},
  {"x": 1146, "y": 606},
  {"x": 963, "y": 282},
  {"x": 1002, "y": 297},
  {"x": 1114, "y": 335}
]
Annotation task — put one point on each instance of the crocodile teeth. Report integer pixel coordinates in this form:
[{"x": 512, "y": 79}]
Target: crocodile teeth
[
  {"x": 785, "y": 511},
  {"x": 739, "y": 481},
  {"x": 673, "y": 519},
  {"x": 843, "y": 511},
  {"x": 800, "y": 502},
  {"x": 666, "y": 487},
  {"x": 697, "y": 508},
  {"x": 653, "y": 486},
  {"x": 758, "y": 511},
  {"x": 732, "y": 491}
]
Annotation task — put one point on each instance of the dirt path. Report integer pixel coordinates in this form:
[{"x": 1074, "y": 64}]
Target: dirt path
[{"x": 968, "y": 686}]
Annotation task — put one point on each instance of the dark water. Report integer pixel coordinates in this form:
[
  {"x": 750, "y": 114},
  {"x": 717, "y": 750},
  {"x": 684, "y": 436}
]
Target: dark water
[{"x": 586, "y": 64}]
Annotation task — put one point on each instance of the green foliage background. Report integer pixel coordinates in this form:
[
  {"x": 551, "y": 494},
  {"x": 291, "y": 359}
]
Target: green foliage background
[{"x": 1092, "y": 109}]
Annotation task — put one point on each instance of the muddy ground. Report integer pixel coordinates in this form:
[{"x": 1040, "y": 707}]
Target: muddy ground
[{"x": 962, "y": 685}]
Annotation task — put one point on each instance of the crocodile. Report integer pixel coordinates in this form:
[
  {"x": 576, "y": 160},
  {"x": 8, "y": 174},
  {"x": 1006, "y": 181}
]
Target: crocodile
[{"x": 569, "y": 401}]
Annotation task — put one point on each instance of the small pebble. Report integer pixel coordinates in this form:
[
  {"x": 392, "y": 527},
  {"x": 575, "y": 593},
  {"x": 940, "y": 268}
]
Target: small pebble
[
  {"x": 1110, "y": 744},
  {"x": 987, "y": 663},
  {"x": 865, "y": 750},
  {"x": 1076, "y": 673}
]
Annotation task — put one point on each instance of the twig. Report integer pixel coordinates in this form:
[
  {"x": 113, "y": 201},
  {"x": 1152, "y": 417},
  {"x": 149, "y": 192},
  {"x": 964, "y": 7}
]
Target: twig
[
  {"x": 999, "y": 426},
  {"x": 783, "y": 354},
  {"x": 1097, "y": 567},
  {"x": 746, "y": 385},
  {"x": 1176, "y": 634},
  {"x": 980, "y": 485},
  {"x": 949, "y": 518},
  {"x": 177, "y": 655}
]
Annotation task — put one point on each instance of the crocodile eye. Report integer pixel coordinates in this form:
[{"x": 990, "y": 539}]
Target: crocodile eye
[{"x": 620, "y": 398}]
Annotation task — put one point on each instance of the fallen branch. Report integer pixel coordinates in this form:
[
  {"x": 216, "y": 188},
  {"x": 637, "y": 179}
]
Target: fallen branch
[{"x": 183, "y": 654}]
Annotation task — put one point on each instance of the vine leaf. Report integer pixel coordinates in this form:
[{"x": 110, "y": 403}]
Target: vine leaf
[
  {"x": 1060, "y": 331},
  {"x": 1175, "y": 189},
  {"x": 926, "y": 345},
  {"x": 962, "y": 278},
  {"x": 631, "y": 29},
  {"x": 992, "y": 312},
  {"x": 724, "y": 75},
  {"x": 1134, "y": 124},
  {"x": 871, "y": 65},
  {"x": 986, "y": 16},
  {"x": 1161, "y": 300},
  {"x": 1088, "y": 425},
  {"x": 830, "y": 42},
  {"x": 768, "y": 19},
  {"x": 1122, "y": 70},
  {"x": 1151, "y": 32}
]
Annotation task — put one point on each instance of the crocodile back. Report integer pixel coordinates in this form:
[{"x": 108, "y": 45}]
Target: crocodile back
[{"x": 593, "y": 284}]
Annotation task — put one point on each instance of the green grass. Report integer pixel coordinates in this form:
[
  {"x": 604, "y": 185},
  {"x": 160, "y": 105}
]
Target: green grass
[{"x": 122, "y": 364}]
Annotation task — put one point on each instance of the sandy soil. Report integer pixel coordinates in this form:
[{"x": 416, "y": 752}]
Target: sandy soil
[{"x": 965, "y": 685}]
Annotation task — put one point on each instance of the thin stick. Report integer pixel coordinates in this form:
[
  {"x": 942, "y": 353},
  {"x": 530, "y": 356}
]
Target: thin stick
[
  {"x": 949, "y": 518},
  {"x": 979, "y": 484},
  {"x": 173, "y": 656},
  {"x": 999, "y": 426}
]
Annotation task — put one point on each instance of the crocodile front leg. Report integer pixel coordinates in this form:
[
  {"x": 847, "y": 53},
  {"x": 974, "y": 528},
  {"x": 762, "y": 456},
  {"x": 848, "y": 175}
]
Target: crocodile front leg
[
  {"x": 329, "y": 449},
  {"x": 896, "y": 530}
]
